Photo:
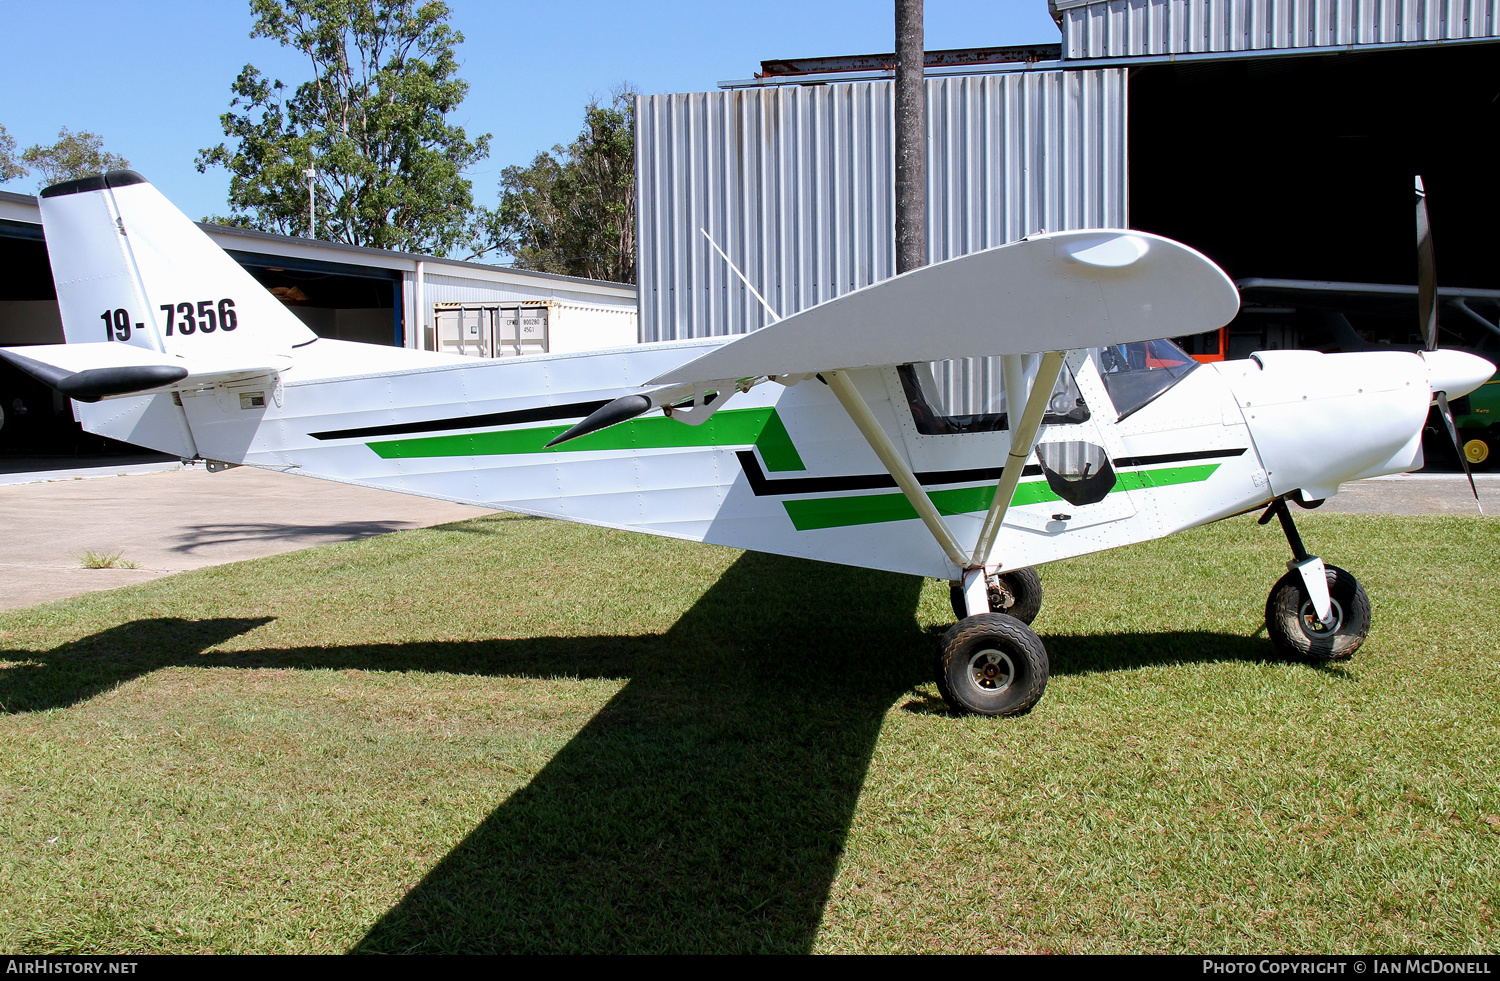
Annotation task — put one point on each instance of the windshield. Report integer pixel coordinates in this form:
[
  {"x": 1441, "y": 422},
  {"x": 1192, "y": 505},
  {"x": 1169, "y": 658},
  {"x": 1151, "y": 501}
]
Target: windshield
[{"x": 1135, "y": 374}]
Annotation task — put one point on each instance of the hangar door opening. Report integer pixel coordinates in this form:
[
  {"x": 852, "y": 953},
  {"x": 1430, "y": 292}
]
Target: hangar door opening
[
  {"x": 34, "y": 420},
  {"x": 1300, "y": 169},
  {"x": 336, "y": 300}
]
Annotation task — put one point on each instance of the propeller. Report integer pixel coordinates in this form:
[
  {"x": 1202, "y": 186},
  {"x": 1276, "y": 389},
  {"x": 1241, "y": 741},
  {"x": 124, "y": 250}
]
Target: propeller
[
  {"x": 1426, "y": 273},
  {"x": 1427, "y": 314}
]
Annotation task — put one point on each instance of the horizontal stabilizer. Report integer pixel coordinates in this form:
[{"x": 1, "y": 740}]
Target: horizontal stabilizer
[
  {"x": 93, "y": 384},
  {"x": 1056, "y": 292},
  {"x": 90, "y": 372}
]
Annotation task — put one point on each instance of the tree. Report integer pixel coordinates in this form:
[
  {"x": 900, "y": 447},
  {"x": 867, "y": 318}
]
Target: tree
[
  {"x": 372, "y": 121},
  {"x": 10, "y": 166},
  {"x": 573, "y": 210},
  {"x": 74, "y": 155}
]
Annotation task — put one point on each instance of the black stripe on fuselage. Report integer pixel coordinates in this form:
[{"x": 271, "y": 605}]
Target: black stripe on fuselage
[
  {"x": 764, "y": 486},
  {"x": 541, "y": 413},
  {"x": 1151, "y": 461}
]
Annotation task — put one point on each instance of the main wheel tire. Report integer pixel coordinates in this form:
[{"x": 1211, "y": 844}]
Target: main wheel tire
[
  {"x": 991, "y": 664},
  {"x": 1294, "y": 626},
  {"x": 1020, "y": 595}
]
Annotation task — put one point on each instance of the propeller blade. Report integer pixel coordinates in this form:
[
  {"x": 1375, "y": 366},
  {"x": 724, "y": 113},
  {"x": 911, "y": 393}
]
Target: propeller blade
[
  {"x": 1447, "y": 413},
  {"x": 1426, "y": 273}
]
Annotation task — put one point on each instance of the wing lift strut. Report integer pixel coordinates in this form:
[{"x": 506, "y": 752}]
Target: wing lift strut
[{"x": 1023, "y": 441}]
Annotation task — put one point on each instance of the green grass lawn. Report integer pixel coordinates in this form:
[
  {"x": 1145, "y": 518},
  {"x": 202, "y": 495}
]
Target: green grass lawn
[{"x": 519, "y": 735}]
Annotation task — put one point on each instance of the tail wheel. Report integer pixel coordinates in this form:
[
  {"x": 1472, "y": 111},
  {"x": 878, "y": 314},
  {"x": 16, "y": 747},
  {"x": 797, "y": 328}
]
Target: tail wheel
[
  {"x": 1294, "y": 625},
  {"x": 1019, "y": 594},
  {"x": 991, "y": 664}
]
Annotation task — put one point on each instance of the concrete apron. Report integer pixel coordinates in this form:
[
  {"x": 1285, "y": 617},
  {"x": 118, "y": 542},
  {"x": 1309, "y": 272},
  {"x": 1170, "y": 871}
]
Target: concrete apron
[
  {"x": 171, "y": 521},
  {"x": 1416, "y": 494}
]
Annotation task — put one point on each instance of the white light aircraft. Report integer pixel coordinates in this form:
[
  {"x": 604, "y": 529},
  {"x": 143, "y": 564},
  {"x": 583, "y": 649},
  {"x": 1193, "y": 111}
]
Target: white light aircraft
[{"x": 821, "y": 435}]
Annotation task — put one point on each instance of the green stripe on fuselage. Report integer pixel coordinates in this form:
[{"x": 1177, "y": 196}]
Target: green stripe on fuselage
[
  {"x": 761, "y": 428},
  {"x": 867, "y": 509}
]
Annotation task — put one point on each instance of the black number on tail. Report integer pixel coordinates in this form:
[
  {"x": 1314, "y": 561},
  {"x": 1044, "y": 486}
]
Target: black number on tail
[
  {"x": 202, "y": 320},
  {"x": 116, "y": 324}
]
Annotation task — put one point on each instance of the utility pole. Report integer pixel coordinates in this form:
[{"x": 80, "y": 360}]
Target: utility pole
[
  {"x": 911, "y": 138},
  {"x": 311, "y": 174}
]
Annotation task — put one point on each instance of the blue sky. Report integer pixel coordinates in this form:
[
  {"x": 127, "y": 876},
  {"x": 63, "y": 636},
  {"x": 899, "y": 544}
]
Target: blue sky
[{"x": 153, "y": 77}]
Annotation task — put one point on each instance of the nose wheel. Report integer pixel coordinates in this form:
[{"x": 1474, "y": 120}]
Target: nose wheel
[
  {"x": 1293, "y": 620},
  {"x": 1299, "y": 633}
]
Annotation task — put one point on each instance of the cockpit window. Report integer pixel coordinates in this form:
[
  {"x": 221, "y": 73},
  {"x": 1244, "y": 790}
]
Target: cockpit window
[
  {"x": 939, "y": 415},
  {"x": 1135, "y": 374}
]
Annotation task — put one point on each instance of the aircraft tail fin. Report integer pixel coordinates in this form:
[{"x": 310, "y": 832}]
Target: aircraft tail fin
[
  {"x": 148, "y": 303},
  {"x": 130, "y": 268}
]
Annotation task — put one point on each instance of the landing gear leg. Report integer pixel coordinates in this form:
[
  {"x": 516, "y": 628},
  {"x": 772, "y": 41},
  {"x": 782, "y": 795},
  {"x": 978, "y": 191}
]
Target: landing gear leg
[{"x": 1315, "y": 612}]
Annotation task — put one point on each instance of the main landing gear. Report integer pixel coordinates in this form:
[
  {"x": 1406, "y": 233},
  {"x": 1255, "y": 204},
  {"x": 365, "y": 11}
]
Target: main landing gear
[
  {"x": 994, "y": 663},
  {"x": 1017, "y": 593},
  {"x": 1294, "y": 621}
]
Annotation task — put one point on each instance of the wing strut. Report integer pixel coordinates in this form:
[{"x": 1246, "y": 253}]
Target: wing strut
[
  {"x": 1022, "y": 438},
  {"x": 864, "y": 419}
]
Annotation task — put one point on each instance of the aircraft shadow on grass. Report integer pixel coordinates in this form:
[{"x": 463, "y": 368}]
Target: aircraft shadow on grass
[
  {"x": 202, "y": 536},
  {"x": 704, "y": 808}
]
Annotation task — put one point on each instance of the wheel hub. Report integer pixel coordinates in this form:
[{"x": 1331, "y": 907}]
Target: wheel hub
[
  {"x": 992, "y": 670},
  {"x": 1319, "y": 628}
]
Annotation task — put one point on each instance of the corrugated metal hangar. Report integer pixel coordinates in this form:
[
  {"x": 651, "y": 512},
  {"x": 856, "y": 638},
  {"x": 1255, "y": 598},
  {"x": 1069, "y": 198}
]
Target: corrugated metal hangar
[
  {"x": 340, "y": 291},
  {"x": 1280, "y": 137}
]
